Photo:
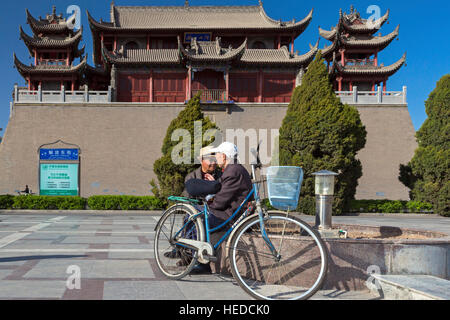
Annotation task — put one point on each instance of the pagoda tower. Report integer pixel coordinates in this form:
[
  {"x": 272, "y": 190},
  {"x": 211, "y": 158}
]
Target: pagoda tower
[
  {"x": 54, "y": 47},
  {"x": 353, "y": 54}
]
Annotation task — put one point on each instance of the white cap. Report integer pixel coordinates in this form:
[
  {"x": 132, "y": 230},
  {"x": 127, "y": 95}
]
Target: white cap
[{"x": 227, "y": 148}]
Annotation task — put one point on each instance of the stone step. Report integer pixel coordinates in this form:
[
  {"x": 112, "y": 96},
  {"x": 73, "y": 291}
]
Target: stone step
[{"x": 409, "y": 287}]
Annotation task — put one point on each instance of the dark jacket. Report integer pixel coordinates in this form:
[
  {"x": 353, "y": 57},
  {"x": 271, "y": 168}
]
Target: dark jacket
[
  {"x": 236, "y": 185},
  {"x": 197, "y": 174}
]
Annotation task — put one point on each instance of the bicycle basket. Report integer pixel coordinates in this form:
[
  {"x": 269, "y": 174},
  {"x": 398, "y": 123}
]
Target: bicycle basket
[{"x": 283, "y": 186}]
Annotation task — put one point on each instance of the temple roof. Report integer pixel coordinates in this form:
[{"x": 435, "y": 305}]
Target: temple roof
[
  {"x": 51, "y": 24},
  {"x": 342, "y": 41},
  {"x": 210, "y": 51},
  {"x": 369, "y": 70},
  {"x": 278, "y": 56},
  {"x": 195, "y": 18},
  {"x": 48, "y": 69},
  {"x": 52, "y": 42},
  {"x": 353, "y": 22},
  {"x": 143, "y": 56}
]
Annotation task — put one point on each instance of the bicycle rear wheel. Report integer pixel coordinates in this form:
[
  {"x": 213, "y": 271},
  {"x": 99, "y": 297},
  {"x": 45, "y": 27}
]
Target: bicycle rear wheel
[
  {"x": 173, "y": 260},
  {"x": 296, "y": 273}
]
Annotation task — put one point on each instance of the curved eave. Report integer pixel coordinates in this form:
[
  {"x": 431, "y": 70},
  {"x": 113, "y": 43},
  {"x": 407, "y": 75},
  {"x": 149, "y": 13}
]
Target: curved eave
[
  {"x": 365, "y": 28},
  {"x": 274, "y": 26},
  {"x": 299, "y": 26},
  {"x": 327, "y": 52},
  {"x": 32, "y": 42},
  {"x": 329, "y": 35},
  {"x": 25, "y": 70},
  {"x": 39, "y": 27},
  {"x": 377, "y": 42},
  {"x": 380, "y": 71},
  {"x": 229, "y": 56}
]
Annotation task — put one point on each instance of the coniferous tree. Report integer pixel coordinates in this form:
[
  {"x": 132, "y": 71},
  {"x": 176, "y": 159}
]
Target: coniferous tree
[
  {"x": 321, "y": 133},
  {"x": 428, "y": 172},
  {"x": 168, "y": 169}
]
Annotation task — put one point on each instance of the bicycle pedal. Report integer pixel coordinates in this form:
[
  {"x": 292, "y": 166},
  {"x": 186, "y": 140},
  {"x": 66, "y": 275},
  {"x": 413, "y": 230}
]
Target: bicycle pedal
[{"x": 210, "y": 258}]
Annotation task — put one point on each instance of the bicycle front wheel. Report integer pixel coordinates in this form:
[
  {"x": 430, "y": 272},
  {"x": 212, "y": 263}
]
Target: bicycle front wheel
[
  {"x": 174, "y": 260},
  {"x": 296, "y": 271}
]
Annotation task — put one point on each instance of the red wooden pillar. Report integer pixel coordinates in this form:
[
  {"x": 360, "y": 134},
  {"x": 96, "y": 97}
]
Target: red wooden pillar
[
  {"x": 150, "y": 87},
  {"x": 292, "y": 44},
  {"x": 376, "y": 58},
  {"x": 73, "y": 85},
  {"x": 384, "y": 85},
  {"x": 340, "y": 84},
  {"x": 260, "y": 85},
  {"x": 278, "y": 42},
  {"x": 351, "y": 86},
  {"x": 188, "y": 84},
  {"x": 148, "y": 42},
  {"x": 227, "y": 85},
  {"x": 343, "y": 57},
  {"x": 115, "y": 42},
  {"x": 29, "y": 84}
]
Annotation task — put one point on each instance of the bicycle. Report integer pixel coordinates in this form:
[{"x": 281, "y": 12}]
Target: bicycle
[{"x": 255, "y": 242}]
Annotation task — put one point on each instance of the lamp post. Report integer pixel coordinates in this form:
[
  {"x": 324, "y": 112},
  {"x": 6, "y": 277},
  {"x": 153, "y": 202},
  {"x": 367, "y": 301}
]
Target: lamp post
[{"x": 324, "y": 190}]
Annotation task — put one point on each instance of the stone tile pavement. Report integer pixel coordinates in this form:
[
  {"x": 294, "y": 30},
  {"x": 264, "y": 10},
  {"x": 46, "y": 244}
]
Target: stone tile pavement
[{"x": 40, "y": 255}]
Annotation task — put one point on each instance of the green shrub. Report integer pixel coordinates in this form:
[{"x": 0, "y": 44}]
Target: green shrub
[
  {"x": 34, "y": 202},
  {"x": 428, "y": 172},
  {"x": 6, "y": 201},
  {"x": 105, "y": 202},
  {"x": 389, "y": 206},
  {"x": 171, "y": 175},
  {"x": 110, "y": 202},
  {"x": 321, "y": 133}
]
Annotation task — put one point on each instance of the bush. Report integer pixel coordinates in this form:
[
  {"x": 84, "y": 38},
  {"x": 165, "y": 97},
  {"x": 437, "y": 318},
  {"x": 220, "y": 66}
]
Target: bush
[
  {"x": 49, "y": 202},
  {"x": 320, "y": 133},
  {"x": 389, "y": 206},
  {"x": 171, "y": 175},
  {"x": 109, "y": 202},
  {"x": 6, "y": 201},
  {"x": 428, "y": 172}
]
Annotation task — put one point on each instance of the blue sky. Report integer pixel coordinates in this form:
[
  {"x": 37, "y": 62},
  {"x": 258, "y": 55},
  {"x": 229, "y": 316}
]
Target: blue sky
[{"x": 424, "y": 27}]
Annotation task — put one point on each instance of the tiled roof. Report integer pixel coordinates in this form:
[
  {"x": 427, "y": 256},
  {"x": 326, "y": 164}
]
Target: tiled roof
[
  {"x": 50, "y": 42},
  {"x": 143, "y": 56},
  {"x": 195, "y": 18},
  {"x": 277, "y": 56},
  {"x": 211, "y": 51},
  {"x": 379, "y": 42},
  {"x": 52, "y": 24},
  {"x": 46, "y": 69},
  {"x": 370, "y": 70},
  {"x": 354, "y": 24}
]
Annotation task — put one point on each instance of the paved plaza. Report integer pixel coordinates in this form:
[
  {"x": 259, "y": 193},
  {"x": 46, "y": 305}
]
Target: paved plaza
[{"x": 42, "y": 255}]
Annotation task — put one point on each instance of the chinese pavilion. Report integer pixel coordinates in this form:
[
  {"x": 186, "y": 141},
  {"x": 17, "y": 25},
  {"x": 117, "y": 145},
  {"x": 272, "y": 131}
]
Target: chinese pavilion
[
  {"x": 54, "y": 47},
  {"x": 353, "y": 54},
  {"x": 168, "y": 54}
]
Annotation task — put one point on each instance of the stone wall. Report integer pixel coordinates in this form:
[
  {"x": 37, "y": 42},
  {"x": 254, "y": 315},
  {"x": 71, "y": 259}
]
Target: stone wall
[{"x": 119, "y": 143}]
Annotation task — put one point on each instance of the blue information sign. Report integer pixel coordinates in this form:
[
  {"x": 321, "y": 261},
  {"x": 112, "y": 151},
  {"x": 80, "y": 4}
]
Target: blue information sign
[
  {"x": 58, "y": 154},
  {"x": 199, "y": 36}
]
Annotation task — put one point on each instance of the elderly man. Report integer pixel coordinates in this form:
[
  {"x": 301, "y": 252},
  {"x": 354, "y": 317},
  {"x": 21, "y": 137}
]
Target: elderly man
[
  {"x": 235, "y": 180},
  {"x": 208, "y": 169}
]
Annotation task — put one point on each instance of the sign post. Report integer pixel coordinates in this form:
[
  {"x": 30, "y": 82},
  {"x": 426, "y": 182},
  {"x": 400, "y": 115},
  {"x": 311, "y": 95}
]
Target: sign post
[{"x": 59, "y": 170}]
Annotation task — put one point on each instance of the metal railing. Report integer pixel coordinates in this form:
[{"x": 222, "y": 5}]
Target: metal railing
[
  {"x": 80, "y": 96},
  {"x": 211, "y": 95},
  {"x": 372, "y": 97}
]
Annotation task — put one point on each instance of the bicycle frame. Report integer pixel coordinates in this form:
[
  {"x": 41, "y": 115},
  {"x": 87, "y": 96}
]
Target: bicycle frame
[{"x": 208, "y": 231}]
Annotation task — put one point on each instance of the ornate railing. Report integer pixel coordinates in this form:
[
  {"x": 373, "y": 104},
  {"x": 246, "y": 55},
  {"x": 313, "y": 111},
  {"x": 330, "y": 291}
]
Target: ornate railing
[
  {"x": 372, "y": 97},
  {"x": 211, "y": 95},
  {"x": 80, "y": 96}
]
